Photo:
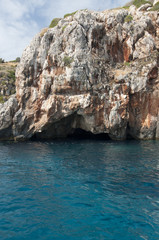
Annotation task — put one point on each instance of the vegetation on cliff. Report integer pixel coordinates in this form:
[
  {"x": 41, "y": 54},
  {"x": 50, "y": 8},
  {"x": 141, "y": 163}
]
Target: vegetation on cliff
[
  {"x": 54, "y": 22},
  {"x": 69, "y": 14},
  {"x": 155, "y": 7},
  {"x": 139, "y": 3},
  {"x": 128, "y": 18},
  {"x": 1, "y": 60},
  {"x": 7, "y": 80}
]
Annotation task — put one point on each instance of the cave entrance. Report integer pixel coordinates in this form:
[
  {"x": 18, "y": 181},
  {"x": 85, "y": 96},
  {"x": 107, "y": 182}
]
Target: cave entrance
[
  {"x": 71, "y": 127},
  {"x": 81, "y": 134},
  {"x": 129, "y": 133}
]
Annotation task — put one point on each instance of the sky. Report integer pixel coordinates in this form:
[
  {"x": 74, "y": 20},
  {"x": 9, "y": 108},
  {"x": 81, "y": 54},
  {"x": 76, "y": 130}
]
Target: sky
[{"x": 20, "y": 20}]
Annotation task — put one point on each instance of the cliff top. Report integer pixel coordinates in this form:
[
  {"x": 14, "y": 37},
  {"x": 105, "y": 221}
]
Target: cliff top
[{"x": 139, "y": 3}]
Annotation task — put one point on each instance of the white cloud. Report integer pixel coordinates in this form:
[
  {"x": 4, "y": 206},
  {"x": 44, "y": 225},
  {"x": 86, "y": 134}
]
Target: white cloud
[
  {"x": 15, "y": 9},
  {"x": 20, "y": 20},
  {"x": 17, "y": 26}
]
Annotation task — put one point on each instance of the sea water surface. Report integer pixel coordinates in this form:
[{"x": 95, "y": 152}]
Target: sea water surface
[{"x": 79, "y": 190}]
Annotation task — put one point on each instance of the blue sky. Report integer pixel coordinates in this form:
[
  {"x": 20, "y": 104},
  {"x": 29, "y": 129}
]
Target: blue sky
[{"x": 20, "y": 20}]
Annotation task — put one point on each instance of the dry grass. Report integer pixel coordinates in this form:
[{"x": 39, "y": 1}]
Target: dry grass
[
  {"x": 43, "y": 31},
  {"x": 8, "y": 64}
]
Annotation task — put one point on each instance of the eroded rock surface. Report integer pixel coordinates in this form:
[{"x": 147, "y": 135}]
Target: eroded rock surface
[
  {"x": 94, "y": 71},
  {"x": 7, "y": 111}
]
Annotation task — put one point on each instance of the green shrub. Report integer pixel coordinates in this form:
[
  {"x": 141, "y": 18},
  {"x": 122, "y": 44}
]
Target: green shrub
[
  {"x": 11, "y": 75},
  {"x": 128, "y": 18},
  {"x": 69, "y": 14},
  {"x": 1, "y": 60},
  {"x": 155, "y": 7},
  {"x": 54, "y": 22},
  {"x": 1, "y": 99},
  {"x": 13, "y": 91},
  {"x": 16, "y": 60},
  {"x": 3, "y": 83},
  {"x": 63, "y": 29},
  {"x": 127, "y": 64},
  {"x": 126, "y": 7},
  {"x": 67, "y": 61},
  {"x": 138, "y": 3}
]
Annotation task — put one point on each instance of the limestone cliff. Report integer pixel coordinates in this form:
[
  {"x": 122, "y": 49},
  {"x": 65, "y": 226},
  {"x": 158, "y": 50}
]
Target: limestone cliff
[{"x": 95, "y": 71}]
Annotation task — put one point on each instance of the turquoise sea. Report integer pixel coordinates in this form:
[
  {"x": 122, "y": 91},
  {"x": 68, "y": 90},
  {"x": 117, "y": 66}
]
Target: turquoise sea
[{"x": 79, "y": 190}]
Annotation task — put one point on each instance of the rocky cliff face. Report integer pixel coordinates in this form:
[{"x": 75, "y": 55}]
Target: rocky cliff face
[{"x": 95, "y": 71}]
